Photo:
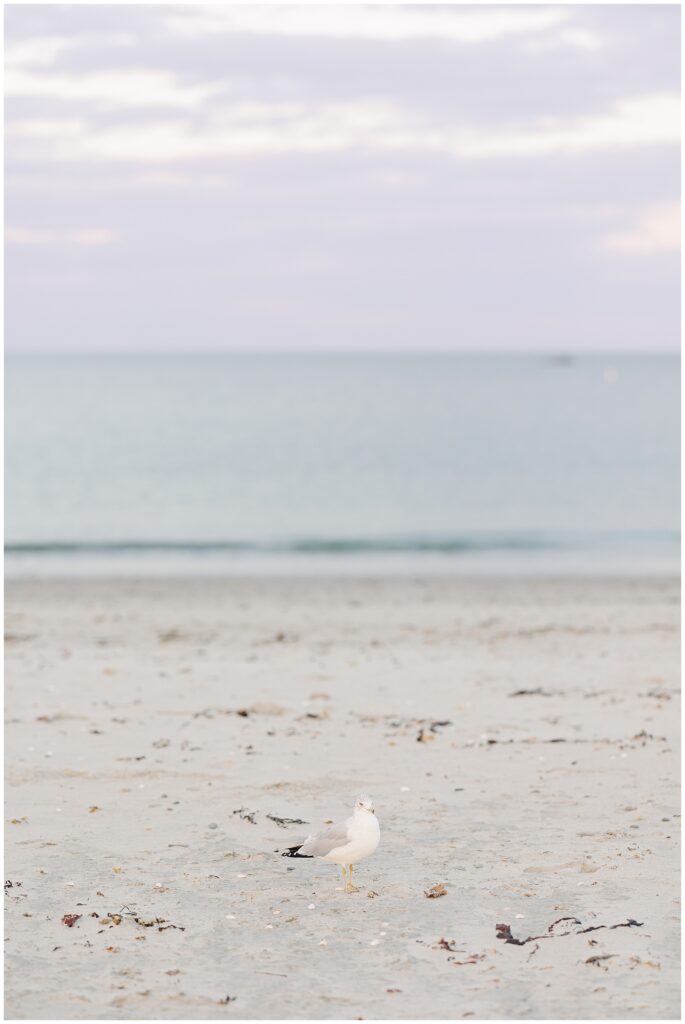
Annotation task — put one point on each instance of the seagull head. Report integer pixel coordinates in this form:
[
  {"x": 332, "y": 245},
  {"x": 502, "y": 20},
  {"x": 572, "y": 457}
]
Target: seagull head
[{"x": 364, "y": 804}]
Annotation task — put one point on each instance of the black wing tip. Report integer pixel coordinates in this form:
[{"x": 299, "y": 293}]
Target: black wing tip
[{"x": 292, "y": 851}]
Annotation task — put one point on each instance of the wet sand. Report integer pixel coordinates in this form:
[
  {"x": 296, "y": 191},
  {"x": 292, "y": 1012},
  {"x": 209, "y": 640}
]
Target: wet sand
[{"x": 520, "y": 739}]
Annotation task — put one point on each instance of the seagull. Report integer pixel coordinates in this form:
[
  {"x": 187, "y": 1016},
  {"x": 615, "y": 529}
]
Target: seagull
[{"x": 345, "y": 843}]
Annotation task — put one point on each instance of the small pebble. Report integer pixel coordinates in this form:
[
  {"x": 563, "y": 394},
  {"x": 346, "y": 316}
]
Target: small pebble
[
  {"x": 212, "y": 824},
  {"x": 312, "y": 906}
]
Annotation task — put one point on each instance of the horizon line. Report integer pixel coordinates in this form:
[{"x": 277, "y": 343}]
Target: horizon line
[{"x": 554, "y": 354}]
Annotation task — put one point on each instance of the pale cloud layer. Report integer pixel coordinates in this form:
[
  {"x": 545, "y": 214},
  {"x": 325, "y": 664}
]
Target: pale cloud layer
[
  {"x": 466, "y": 25},
  {"x": 329, "y": 177},
  {"x": 656, "y": 230},
  {"x": 265, "y": 129},
  {"x": 79, "y": 236}
]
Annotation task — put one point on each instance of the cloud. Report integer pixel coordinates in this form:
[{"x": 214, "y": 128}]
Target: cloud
[
  {"x": 575, "y": 38},
  {"x": 635, "y": 121},
  {"x": 268, "y": 129},
  {"x": 465, "y": 25},
  {"x": 656, "y": 230},
  {"x": 74, "y": 236},
  {"x": 43, "y": 51},
  {"x": 36, "y": 51},
  {"x": 112, "y": 89}
]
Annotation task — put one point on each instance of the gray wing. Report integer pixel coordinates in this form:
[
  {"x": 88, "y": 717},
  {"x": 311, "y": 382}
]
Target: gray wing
[{"x": 321, "y": 843}]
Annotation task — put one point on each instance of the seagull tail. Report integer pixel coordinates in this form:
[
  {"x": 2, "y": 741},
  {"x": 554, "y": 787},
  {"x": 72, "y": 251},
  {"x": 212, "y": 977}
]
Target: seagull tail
[{"x": 293, "y": 851}]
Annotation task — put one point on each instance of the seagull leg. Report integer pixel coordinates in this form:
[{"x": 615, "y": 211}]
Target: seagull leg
[
  {"x": 344, "y": 874},
  {"x": 349, "y": 887}
]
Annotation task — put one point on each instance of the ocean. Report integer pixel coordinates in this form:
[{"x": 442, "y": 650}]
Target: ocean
[{"x": 341, "y": 464}]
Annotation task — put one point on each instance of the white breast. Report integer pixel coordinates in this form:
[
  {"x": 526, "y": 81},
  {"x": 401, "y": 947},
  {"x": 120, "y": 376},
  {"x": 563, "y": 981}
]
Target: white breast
[{"x": 364, "y": 836}]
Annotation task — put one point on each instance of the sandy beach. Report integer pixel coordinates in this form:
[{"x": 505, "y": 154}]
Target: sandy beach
[{"x": 520, "y": 739}]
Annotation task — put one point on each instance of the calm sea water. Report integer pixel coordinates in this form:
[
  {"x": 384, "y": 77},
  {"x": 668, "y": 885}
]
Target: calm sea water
[{"x": 291, "y": 463}]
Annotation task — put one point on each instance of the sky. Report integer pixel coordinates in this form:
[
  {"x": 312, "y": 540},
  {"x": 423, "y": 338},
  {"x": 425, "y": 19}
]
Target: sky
[{"x": 358, "y": 178}]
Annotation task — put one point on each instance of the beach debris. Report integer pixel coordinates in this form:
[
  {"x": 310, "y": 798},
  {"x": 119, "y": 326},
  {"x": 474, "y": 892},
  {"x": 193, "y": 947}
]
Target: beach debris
[
  {"x": 630, "y": 923},
  {"x": 284, "y": 822},
  {"x": 637, "y": 962},
  {"x": 658, "y": 694},
  {"x": 169, "y": 635},
  {"x": 161, "y": 743},
  {"x": 160, "y": 922},
  {"x": 228, "y": 999},
  {"x": 279, "y": 638},
  {"x": 393, "y": 991},
  {"x": 535, "y": 692},
  {"x": 70, "y": 919},
  {"x": 448, "y": 944},
  {"x": 472, "y": 959},
  {"x": 246, "y": 815},
  {"x": 93, "y": 809},
  {"x": 435, "y": 891},
  {"x": 503, "y": 931},
  {"x": 644, "y": 736},
  {"x": 428, "y": 730},
  {"x": 267, "y": 708},
  {"x": 18, "y": 638},
  {"x": 261, "y": 708},
  {"x": 597, "y": 958},
  {"x": 11, "y": 885}
]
